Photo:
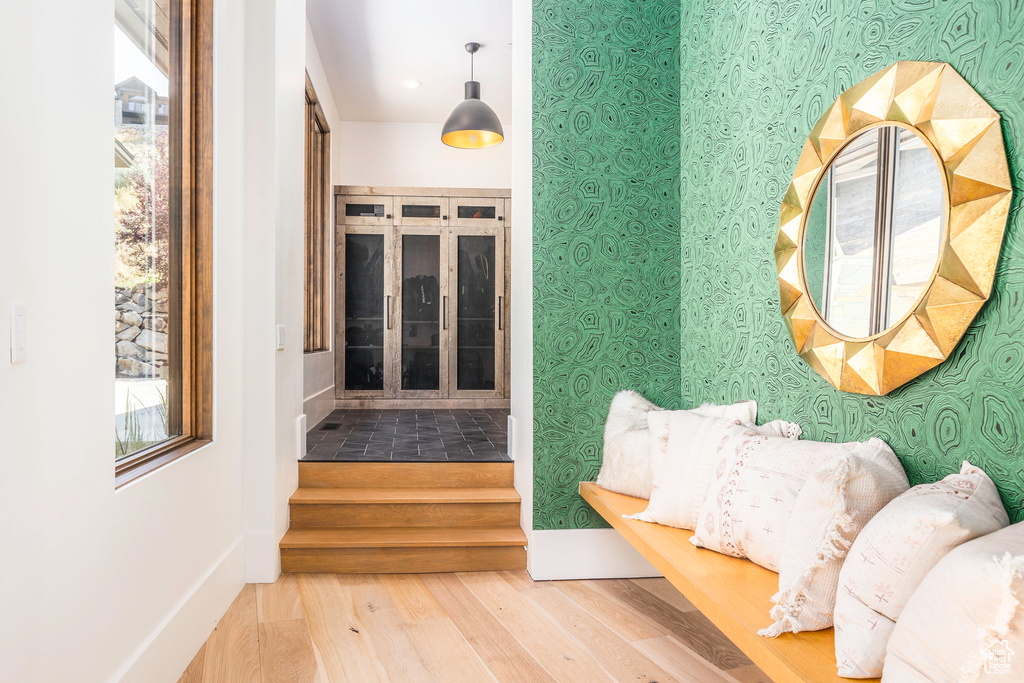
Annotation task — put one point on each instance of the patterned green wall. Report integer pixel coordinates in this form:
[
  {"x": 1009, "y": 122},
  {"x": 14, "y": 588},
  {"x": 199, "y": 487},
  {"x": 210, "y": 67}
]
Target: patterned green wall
[
  {"x": 605, "y": 229},
  {"x": 756, "y": 75}
]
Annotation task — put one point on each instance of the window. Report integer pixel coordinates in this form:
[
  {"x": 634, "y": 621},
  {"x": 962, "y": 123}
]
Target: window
[
  {"x": 162, "y": 227},
  {"x": 885, "y": 218},
  {"x": 318, "y": 192}
]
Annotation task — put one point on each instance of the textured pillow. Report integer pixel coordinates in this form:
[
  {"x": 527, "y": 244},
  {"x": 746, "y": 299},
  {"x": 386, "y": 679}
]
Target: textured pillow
[
  {"x": 757, "y": 481},
  {"x": 895, "y": 551},
  {"x": 661, "y": 423},
  {"x": 626, "y": 462},
  {"x": 681, "y": 482},
  {"x": 964, "y": 616},
  {"x": 832, "y": 508}
]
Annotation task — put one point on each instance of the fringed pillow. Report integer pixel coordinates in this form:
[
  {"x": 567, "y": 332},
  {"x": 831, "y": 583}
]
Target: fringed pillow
[
  {"x": 830, "y": 511},
  {"x": 893, "y": 554},
  {"x": 629, "y": 450},
  {"x": 748, "y": 507},
  {"x": 692, "y": 441},
  {"x": 965, "y": 621}
]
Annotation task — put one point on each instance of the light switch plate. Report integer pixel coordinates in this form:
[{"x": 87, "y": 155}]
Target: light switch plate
[
  {"x": 18, "y": 333},
  {"x": 280, "y": 337}
]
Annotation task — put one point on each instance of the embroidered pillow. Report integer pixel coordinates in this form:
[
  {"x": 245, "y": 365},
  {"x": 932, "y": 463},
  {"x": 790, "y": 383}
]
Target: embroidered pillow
[
  {"x": 628, "y": 447},
  {"x": 893, "y": 554},
  {"x": 681, "y": 482},
  {"x": 965, "y": 618},
  {"x": 830, "y": 511},
  {"x": 660, "y": 425},
  {"x": 757, "y": 480}
]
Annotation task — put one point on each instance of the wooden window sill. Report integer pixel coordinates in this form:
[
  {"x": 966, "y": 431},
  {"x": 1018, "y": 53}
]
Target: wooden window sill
[{"x": 152, "y": 459}]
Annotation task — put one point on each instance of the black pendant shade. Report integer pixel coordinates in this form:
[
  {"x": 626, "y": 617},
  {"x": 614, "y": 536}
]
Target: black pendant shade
[{"x": 472, "y": 124}]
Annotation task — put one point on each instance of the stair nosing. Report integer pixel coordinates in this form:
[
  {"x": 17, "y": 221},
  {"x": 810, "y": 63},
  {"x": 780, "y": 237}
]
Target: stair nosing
[
  {"x": 446, "y": 537},
  {"x": 313, "y": 495}
]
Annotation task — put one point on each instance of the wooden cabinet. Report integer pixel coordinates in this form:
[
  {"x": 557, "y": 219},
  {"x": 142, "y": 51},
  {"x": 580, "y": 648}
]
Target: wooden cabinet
[{"x": 422, "y": 297}]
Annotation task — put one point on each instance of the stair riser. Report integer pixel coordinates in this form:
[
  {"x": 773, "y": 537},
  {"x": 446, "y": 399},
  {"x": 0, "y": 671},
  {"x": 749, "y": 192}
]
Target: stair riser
[
  {"x": 403, "y": 560},
  {"x": 404, "y": 475},
  {"x": 405, "y": 515}
]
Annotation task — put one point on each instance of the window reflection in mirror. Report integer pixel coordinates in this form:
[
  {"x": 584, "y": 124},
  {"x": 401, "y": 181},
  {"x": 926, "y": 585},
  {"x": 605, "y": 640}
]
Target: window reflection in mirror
[
  {"x": 917, "y": 218},
  {"x": 874, "y": 231}
]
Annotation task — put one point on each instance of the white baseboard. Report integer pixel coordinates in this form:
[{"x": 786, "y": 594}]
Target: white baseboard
[
  {"x": 178, "y": 637},
  {"x": 584, "y": 554},
  {"x": 262, "y": 557},
  {"x": 318, "y": 406}
]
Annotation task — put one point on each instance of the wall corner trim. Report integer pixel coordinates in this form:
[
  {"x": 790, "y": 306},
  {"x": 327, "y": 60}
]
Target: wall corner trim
[{"x": 584, "y": 554}]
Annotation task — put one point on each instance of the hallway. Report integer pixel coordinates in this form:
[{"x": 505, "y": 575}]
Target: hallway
[{"x": 466, "y": 627}]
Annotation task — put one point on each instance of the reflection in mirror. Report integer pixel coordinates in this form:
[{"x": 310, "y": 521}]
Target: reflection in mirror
[{"x": 874, "y": 231}]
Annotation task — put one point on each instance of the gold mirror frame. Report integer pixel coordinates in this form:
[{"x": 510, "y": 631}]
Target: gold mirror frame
[{"x": 934, "y": 101}]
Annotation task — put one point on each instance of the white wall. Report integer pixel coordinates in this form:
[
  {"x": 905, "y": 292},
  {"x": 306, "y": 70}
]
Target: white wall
[
  {"x": 99, "y": 584},
  {"x": 318, "y": 368},
  {"x": 273, "y": 275},
  {"x": 521, "y": 436},
  {"x": 412, "y": 155}
]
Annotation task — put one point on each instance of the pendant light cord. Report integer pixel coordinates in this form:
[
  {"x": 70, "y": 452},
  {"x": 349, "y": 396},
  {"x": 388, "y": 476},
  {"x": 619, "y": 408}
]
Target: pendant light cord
[{"x": 472, "y": 75}]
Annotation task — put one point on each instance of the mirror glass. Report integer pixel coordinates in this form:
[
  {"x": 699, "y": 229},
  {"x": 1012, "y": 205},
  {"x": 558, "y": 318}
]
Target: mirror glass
[{"x": 874, "y": 231}]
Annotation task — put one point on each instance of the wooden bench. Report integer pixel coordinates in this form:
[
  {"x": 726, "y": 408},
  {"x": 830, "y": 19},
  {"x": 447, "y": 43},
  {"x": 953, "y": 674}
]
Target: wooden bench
[{"x": 733, "y": 593}]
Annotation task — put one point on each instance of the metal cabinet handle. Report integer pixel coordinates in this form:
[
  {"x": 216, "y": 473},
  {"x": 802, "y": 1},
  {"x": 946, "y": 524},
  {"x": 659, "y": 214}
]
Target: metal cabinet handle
[
  {"x": 387, "y": 310},
  {"x": 499, "y": 312},
  {"x": 444, "y": 313}
]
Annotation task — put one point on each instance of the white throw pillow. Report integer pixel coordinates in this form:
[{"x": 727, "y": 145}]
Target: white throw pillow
[
  {"x": 757, "y": 481},
  {"x": 626, "y": 461},
  {"x": 690, "y": 454},
  {"x": 964, "y": 620},
  {"x": 894, "y": 552},
  {"x": 832, "y": 508}
]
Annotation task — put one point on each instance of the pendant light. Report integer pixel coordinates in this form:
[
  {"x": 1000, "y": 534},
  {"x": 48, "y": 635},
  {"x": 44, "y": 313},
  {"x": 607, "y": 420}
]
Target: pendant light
[{"x": 472, "y": 124}]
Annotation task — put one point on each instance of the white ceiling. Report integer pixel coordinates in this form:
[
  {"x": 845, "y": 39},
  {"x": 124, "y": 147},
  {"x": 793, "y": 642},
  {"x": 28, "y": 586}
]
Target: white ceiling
[{"x": 369, "y": 48}]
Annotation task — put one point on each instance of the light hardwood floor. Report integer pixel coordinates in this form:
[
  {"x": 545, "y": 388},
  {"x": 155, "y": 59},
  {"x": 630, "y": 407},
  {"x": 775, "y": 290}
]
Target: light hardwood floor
[{"x": 455, "y": 628}]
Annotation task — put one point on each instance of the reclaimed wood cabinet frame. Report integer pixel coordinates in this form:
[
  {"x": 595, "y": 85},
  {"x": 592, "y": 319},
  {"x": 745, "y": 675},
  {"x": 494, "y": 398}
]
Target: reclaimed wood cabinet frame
[{"x": 394, "y": 226}]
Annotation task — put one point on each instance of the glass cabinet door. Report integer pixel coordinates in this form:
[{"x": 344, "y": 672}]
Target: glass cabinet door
[
  {"x": 364, "y": 210},
  {"x": 423, "y": 355},
  {"x": 365, "y": 324},
  {"x": 477, "y": 211},
  {"x": 477, "y": 354},
  {"x": 422, "y": 211}
]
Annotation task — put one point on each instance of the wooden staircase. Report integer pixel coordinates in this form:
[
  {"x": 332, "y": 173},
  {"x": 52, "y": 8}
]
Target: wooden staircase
[{"x": 404, "y": 518}]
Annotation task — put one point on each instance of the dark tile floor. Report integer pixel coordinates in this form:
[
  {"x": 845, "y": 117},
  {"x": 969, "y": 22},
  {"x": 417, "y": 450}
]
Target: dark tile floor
[{"x": 410, "y": 436}]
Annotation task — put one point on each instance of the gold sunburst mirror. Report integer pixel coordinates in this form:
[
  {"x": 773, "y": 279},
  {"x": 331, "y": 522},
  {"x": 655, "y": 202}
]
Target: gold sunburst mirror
[{"x": 891, "y": 228}]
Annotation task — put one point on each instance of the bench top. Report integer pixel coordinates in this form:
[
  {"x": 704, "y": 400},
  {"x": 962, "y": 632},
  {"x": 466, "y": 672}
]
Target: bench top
[{"x": 733, "y": 593}]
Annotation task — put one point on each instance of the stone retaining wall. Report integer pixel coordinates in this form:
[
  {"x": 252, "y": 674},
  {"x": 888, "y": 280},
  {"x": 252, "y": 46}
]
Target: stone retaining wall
[{"x": 140, "y": 330}]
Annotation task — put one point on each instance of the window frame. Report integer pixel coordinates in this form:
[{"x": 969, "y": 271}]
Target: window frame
[
  {"x": 317, "y": 290},
  {"x": 191, "y": 183}
]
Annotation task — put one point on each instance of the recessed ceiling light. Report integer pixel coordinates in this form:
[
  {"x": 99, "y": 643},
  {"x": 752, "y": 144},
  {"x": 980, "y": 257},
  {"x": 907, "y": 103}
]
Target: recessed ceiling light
[{"x": 412, "y": 84}]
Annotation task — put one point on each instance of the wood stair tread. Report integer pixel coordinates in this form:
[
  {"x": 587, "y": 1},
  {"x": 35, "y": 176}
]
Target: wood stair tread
[
  {"x": 405, "y": 474},
  {"x": 357, "y": 496},
  {"x": 398, "y": 537}
]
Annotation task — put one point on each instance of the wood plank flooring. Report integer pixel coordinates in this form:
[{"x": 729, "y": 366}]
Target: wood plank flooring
[{"x": 465, "y": 628}]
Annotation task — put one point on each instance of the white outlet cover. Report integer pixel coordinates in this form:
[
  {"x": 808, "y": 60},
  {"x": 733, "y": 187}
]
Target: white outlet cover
[{"x": 280, "y": 337}]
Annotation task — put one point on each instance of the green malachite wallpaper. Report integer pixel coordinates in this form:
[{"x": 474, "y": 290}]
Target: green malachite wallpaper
[
  {"x": 755, "y": 76},
  {"x": 605, "y": 228},
  {"x": 643, "y": 118}
]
